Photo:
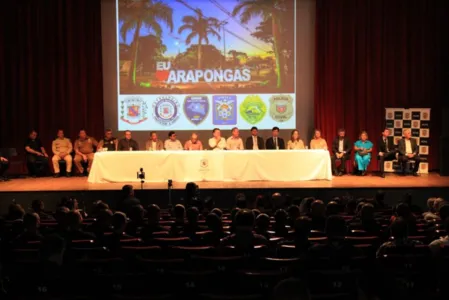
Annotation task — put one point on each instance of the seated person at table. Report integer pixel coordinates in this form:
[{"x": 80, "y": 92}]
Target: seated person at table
[
  {"x": 295, "y": 143},
  {"x": 387, "y": 150},
  {"x": 341, "y": 149},
  {"x": 254, "y": 142},
  {"x": 235, "y": 142},
  {"x": 193, "y": 143},
  {"x": 4, "y": 165},
  {"x": 108, "y": 143},
  {"x": 275, "y": 142},
  {"x": 127, "y": 143},
  {"x": 62, "y": 149},
  {"x": 318, "y": 142},
  {"x": 363, "y": 148},
  {"x": 153, "y": 143},
  {"x": 37, "y": 157},
  {"x": 84, "y": 151},
  {"x": 409, "y": 150},
  {"x": 217, "y": 142},
  {"x": 172, "y": 143}
]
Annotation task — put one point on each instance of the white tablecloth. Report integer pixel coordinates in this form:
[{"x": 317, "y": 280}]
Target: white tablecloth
[{"x": 185, "y": 166}]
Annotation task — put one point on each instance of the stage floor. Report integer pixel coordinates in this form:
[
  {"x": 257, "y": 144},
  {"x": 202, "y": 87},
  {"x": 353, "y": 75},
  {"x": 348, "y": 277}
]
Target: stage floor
[{"x": 432, "y": 180}]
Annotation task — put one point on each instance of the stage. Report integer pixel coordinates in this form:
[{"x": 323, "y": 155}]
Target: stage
[{"x": 52, "y": 189}]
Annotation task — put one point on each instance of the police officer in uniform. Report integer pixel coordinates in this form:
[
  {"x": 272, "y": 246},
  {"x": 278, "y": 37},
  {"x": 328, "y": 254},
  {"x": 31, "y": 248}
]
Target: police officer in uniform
[
  {"x": 62, "y": 149},
  {"x": 37, "y": 157},
  {"x": 84, "y": 151},
  {"x": 108, "y": 142}
]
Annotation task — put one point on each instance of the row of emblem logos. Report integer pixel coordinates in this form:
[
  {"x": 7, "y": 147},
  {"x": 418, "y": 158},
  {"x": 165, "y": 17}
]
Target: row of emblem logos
[{"x": 166, "y": 109}]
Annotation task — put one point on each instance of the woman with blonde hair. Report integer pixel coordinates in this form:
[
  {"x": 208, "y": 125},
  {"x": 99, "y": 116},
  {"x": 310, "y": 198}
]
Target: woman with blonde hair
[
  {"x": 295, "y": 143},
  {"x": 363, "y": 148},
  {"x": 318, "y": 142}
]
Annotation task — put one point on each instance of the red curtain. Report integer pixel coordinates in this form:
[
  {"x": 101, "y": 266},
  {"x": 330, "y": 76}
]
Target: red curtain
[
  {"x": 373, "y": 54},
  {"x": 51, "y": 69}
]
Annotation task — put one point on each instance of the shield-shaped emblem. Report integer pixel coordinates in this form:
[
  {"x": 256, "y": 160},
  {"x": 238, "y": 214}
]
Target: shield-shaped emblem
[
  {"x": 133, "y": 110},
  {"x": 204, "y": 163},
  {"x": 415, "y": 124},
  {"x": 397, "y": 124},
  {"x": 425, "y": 115},
  {"x": 425, "y": 133}
]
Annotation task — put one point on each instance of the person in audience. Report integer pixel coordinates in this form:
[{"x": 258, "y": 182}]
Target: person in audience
[
  {"x": 240, "y": 200},
  {"x": 84, "y": 151},
  {"x": 280, "y": 225},
  {"x": 62, "y": 150},
  {"x": 215, "y": 226},
  {"x": 244, "y": 238},
  {"x": 263, "y": 225},
  {"x": 36, "y": 156},
  {"x": 136, "y": 220},
  {"x": 98, "y": 207},
  {"x": 74, "y": 231},
  {"x": 291, "y": 289},
  {"x": 408, "y": 149},
  {"x": 380, "y": 199},
  {"x": 108, "y": 142},
  {"x": 102, "y": 224},
  {"x": 194, "y": 143},
  {"x": 306, "y": 205},
  {"x": 277, "y": 201},
  {"x": 192, "y": 195},
  {"x": 38, "y": 207},
  {"x": 275, "y": 142},
  {"x": 15, "y": 212},
  {"x": 341, "y": 150},
  {"x": 179, "y": 213},
  {"x": 153, "y": 223},
  {"x": 61, "y": 220},
  {"x": 400, "y": 241},
  {"x": 443, "y": 242},
  {"x": 318, "y": 215},
  {"x": 127, "y": 143},
  {"x": 119, "y": 223},
  {"x": 367, "y": 221},
  {"x": 52, "y": 251},
  {"x": 430, "y": 214},
  {"x": 295, "y": 142},
  {"x": 4, "y": 166},
  {"x": 128, "y": 199},
  {"x": 153, "y": 143},
  {"x": 300, "y": 237},
  {"x": 407, "y": 198},
  {"x": 351, "y": 207},
  {"x": 318, "y": 143},
  {"x": 387, "y": 150},
  {"x": 293, "y": 214},
  {"x": 172, "y": 143},
  {"x": 251, "y": 203},
  {"x": 234, "y": 142},
  {"x": 217, "y": 142},
  {"x": 332, "y": 209},
  {"x": 403, "y": 211},
  {"x": 218, "y": 212},
  {"x": 254, "y": 142},
  {"x": 363, "y": 148},
  {"x": 191, "y": 227},
  {"x": 31, "y": 232}
]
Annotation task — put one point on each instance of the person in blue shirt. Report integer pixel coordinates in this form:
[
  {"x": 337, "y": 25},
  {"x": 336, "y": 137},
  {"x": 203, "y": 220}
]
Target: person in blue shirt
[{"x": 363, "y": 148}]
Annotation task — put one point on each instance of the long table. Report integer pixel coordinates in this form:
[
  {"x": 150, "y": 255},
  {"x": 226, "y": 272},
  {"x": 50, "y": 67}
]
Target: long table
[{"x": 185, "y": 166}]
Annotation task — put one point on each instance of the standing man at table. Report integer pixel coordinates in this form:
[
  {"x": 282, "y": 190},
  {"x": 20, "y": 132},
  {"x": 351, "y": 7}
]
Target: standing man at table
[
  {"x": 84, "y": 151},
  {"x": 193, "y": 143},
  {"x": 37, "y": 157},
  {"x": 108, "y": 143},
  {"x": 217, "y": 142},
  {"x": 341, "y": 150},
  {"x": 62, "y": 149},
  {"x": 172, "y": 143},
  {"x": 235, "y": 142},
  {"x": 127, "y": 143},
  {"x": 275, "y": 142},
  {"x": 254, "y": 142},
  {"x": 153, "y": 143}
]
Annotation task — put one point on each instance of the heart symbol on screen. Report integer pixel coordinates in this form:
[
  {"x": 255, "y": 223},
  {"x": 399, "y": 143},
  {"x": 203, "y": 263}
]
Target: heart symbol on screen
[{"x": 162, "y": 75}]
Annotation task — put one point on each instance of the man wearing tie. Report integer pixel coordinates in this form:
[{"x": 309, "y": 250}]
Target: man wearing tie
[
  {"x": 341, "y": 150},
  {"x": 254, "y": 142},
  {"x": 275, "y": 142},
  {"x": 409, "y": 150},
  {"x": 387, "y": 151}
]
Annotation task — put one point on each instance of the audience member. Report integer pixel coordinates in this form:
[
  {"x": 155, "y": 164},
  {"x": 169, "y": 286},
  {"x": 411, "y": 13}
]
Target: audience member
[
  {"x": 128, "y": 199},
  {"x": 280, "y": 225},
  {"x": 30, "y": 230},
  {"x": 74, "y": 231},
  {"x": 263, "y": 225},
  {"x": 443, "y": 242},
  {"x": 293, "y": 214},
  {"x": 215, "y": 226},
  {"x": 136, "y": 220},
  {"x": 400, "y": 243},
  {"x": 153, "y": 225},
  {"x": 291, "y": 289},
  {"x": 38, "y": 207},
  {"x": 318, "y": 215}
]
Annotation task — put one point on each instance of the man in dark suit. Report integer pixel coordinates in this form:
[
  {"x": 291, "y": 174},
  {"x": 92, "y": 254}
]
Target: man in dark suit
[
  {"x": 409, "y": 150},
  {"x": 341, "y": 150},
  {"x": 254, "y": 142},
  {"x": 4, "y": 165},
  {"x": 387, "y": 150},
  {"x": 275, "y": 142}
]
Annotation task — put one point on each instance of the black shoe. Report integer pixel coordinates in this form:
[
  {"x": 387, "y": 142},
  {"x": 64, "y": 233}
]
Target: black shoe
[
  {"x": 67, "y": 174},
  {"x": 57, "y": 175},
  {"x": 364, "y": 173},
  {"x": 382, "y": 175},
  {"x": 415, "y": 174}
]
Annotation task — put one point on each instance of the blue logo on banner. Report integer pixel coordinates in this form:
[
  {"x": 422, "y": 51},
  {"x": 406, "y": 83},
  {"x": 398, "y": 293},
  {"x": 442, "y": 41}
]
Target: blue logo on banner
[
  {"x": 196, "y": 108},
  {"x": 225, "y": 109}
]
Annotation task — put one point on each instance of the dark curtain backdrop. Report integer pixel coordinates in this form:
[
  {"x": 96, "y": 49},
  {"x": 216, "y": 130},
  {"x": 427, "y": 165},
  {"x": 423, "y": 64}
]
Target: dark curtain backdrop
[
  {"x": 51, "y": 69},
  {"x": 373, "y": 54}
]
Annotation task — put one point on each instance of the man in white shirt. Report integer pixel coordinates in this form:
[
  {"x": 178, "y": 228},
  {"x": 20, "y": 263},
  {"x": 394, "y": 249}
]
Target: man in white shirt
[
  {"x": 172, "y": 143},
  {"x": 217, "y": 142},
  {"x": 235, "y": 141},
  {"x": 409, "y": 150},
  {"x": 254, "y": 142}
]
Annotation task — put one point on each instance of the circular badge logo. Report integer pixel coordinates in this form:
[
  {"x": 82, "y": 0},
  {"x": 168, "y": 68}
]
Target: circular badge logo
[
  {"x": 281, "y": 108},
  {"x": 415, "y": 124},
  {"x": 253, "y": 109},
  {"x": 397, "y": 124},
  {"x": 425, "y": 133},
  {"x": 390, "y": 115},
  {"x": 407, "y": 115},
  {"x": 425, "y": 115},
  {"x": 196, "y": 108},
  {"x": 166, "y": 110}
]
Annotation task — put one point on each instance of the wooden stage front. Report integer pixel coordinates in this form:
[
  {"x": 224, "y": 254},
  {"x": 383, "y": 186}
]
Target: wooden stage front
[{"x": 50, "y": 188}]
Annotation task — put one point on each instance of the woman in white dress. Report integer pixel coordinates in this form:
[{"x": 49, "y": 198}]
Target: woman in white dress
[{"x": 295, "y": 143}]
